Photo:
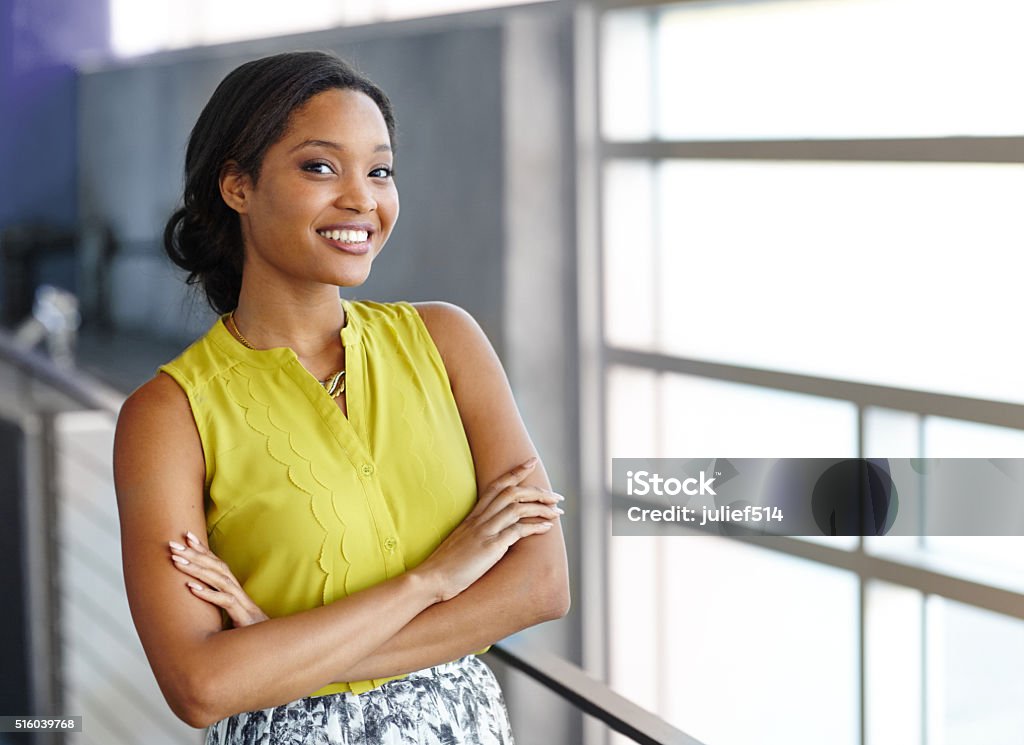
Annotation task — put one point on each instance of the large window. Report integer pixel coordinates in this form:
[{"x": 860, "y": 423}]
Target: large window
[
  {"x": 143, "y": 27},
  {"x": 810, "y": 245}
]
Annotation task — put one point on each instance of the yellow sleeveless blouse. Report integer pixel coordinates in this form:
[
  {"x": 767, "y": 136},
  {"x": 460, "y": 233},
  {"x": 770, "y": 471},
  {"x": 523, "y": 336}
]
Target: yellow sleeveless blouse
[{"x": 305, "y": 505}]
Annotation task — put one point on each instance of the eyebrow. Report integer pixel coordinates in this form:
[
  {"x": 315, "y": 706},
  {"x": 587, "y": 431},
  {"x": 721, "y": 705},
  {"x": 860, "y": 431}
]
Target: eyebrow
[{"x": 382, "y": 148}]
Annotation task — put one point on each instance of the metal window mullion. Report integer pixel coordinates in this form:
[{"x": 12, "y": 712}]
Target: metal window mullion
[
  {"x": 905, "y": 149},
  {"x": 982, "y": 411},
  {"x": 594, "y": 543},
  {"x": 862, "y": 596},
  {"x": 606, "y": 5}
]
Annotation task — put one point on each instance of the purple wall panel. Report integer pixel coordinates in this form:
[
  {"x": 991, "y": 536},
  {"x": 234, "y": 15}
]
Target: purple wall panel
[{"x": 41, "y": 42}]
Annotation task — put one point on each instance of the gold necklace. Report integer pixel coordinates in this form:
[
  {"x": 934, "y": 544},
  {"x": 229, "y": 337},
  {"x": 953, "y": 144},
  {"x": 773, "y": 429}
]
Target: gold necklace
[{"x": 334, "y": 383}]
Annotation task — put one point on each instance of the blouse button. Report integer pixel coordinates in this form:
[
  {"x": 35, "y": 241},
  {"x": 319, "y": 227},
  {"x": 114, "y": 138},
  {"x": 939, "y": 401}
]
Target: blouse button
[
  {"x": 367, "y": 470},
  {"x": 390, "y": 543}
]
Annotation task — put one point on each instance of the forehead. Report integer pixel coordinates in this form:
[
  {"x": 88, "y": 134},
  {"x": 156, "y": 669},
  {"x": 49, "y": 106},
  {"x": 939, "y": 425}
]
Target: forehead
[{"x": 345, "y": 115}]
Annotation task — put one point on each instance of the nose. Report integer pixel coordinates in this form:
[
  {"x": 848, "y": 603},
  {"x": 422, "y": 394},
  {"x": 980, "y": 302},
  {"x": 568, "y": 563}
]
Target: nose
[{"x": 355, "y": 194}]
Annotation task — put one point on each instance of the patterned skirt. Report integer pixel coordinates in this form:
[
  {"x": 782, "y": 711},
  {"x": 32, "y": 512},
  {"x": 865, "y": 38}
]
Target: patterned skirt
[{"x": 456, "y": 703}]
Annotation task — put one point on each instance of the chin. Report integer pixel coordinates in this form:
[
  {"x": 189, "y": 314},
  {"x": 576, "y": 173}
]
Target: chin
[{"x": 350, "y": 279}]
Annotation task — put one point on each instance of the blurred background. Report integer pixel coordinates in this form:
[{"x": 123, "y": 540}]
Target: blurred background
[{"x": 715, "y": 228}]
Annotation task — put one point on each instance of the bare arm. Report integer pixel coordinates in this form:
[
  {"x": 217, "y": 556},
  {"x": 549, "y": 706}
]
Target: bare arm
[
  {"x": 530, "y": 584},
  {"x": 206, "y": 673}
]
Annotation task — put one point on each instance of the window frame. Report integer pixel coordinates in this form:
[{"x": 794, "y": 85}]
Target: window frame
[{"x": 597, "y": 356}]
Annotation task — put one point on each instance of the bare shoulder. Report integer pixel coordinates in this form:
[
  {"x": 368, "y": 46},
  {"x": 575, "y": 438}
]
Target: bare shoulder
[
  {"x": 158, "y": 402},
  {"x": 156, "y": 422},
  {"x": 160, "y": 394},
  {"x": 456, "y": 334}
]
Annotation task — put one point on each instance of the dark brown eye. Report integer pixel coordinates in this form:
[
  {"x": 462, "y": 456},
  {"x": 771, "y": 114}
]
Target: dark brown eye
[{"x": 317, "y": 166}]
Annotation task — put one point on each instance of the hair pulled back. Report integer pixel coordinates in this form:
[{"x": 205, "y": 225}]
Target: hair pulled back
[{"x": 247, "y": 114}]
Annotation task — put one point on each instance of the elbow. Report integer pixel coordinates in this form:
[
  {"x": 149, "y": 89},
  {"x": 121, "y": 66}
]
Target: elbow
[
  {"x": 191, "y": 701},
  {"x": 558, "y": 604},
  {"x": 196, "y": 715},
  {"x": 552, "y": 601},
  {"x": 190, "y": 713}
]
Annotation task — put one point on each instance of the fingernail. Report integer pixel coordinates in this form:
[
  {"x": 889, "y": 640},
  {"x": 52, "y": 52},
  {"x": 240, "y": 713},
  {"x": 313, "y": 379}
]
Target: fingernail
[
  {"x": 176, "y": 545},
  {"x": 191, "y": 537},
  {"x": 530, "y": 463},
  {"x": 559, "y": 510},
  {"x": 194, "y": 586},
  {"x": 546, "y": 525},
  {"x": 179, "y": 559}
]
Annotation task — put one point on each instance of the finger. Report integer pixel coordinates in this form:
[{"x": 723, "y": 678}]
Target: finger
[
  {"x": 533, "y": 494},
  {"x": 513, "y": 533},
  {"x": 210, "y": 575},
  {"x": 194, "y": 542},
  {"x": 518, "y": 511},
  {"x": 519, "y": 494},
  {"x": 206, "y": 560},
  {"x": 238, "y": 614},
  {"x": 514, "y": 510},
  {"x": 507, "y": 479}
]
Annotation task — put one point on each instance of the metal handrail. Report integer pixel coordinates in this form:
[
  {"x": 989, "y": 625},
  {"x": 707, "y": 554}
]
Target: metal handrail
[
  {"x": 76, "y": 385},
  {"x": 554, "y": 673},
  {"x": 589, "y": 695}
]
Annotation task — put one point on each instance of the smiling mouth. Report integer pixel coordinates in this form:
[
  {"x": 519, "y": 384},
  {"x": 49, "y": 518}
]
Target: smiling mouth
[
  {"x": 345, "y": 236},
  {"x": 350, "y": 241}
]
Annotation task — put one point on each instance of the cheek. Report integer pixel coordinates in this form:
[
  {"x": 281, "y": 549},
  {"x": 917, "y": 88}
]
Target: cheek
[
  {"x": 290, "y": 202},
  {"x": 391, "y": 205}
]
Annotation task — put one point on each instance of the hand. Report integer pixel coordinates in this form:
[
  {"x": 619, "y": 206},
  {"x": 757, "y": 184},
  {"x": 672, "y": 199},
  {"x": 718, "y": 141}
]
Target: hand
[
  {"x": 220, "y": 588},
  {"x": 504, "y": 513}
]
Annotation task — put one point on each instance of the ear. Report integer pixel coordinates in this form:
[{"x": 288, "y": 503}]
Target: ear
[{"x": 234, "y": 187}]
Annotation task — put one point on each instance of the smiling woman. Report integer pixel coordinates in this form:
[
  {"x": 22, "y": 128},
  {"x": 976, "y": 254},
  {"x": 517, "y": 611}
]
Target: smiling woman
[{"x": 327, "y": 506}]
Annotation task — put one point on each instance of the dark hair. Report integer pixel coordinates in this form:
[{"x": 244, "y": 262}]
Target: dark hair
[{"x": 247, "y": 114}]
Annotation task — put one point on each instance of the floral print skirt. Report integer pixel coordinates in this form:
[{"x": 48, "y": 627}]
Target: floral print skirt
[{"x": 455, "y": 703}]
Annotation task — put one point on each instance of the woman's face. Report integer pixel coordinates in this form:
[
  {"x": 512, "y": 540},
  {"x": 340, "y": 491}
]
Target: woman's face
[{"x": 325, "y": 202}]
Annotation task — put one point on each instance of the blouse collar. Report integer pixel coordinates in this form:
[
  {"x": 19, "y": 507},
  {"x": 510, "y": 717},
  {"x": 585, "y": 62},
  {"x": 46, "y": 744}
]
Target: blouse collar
[{"x": 276, "y": 356}]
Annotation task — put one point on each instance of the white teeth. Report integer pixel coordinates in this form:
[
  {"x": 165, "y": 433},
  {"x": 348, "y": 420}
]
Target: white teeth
[{"x": 346, "y": 236}]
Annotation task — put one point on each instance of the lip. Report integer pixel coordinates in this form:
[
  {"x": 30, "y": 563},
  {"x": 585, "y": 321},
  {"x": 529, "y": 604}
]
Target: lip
[
  {"x": 357, "y": 249},
  {"x": 368, "y": 227}
]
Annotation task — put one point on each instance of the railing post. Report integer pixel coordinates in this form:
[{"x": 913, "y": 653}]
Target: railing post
[
  {"x": 42, "y": 586},
  {"x": 28, "y": 553}
]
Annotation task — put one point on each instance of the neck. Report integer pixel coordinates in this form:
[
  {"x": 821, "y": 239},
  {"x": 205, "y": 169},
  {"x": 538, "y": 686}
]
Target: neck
[{"x": 307, "y": 321}]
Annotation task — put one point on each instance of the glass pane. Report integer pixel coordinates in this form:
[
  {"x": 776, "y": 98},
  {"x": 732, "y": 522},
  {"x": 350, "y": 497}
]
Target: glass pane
[
  {"x": 537, "y": 713},
  {"x": 626, "y": 79},
  {"x": 990, "y": 559},
  {"x": 973, "y": 675},
  {"x": 139, "y": 28},
  {"x": 954, "y": 438},
  {"x": 631, "y": 415},
  {"x": 415, "y": 8},
  {"x": 764, "y": 264},
  {"x": 758, "y": 647},
  {"x": 704, "y": 418},
  {"x": 629, "y": 253},
  {"x": 998, "y": 559},
  {"x": 835, "y": 68},
  {"x": 893, "y": 657},
  {"x": 636, "y": 614},
  {"x": 889, "y": 433}
]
